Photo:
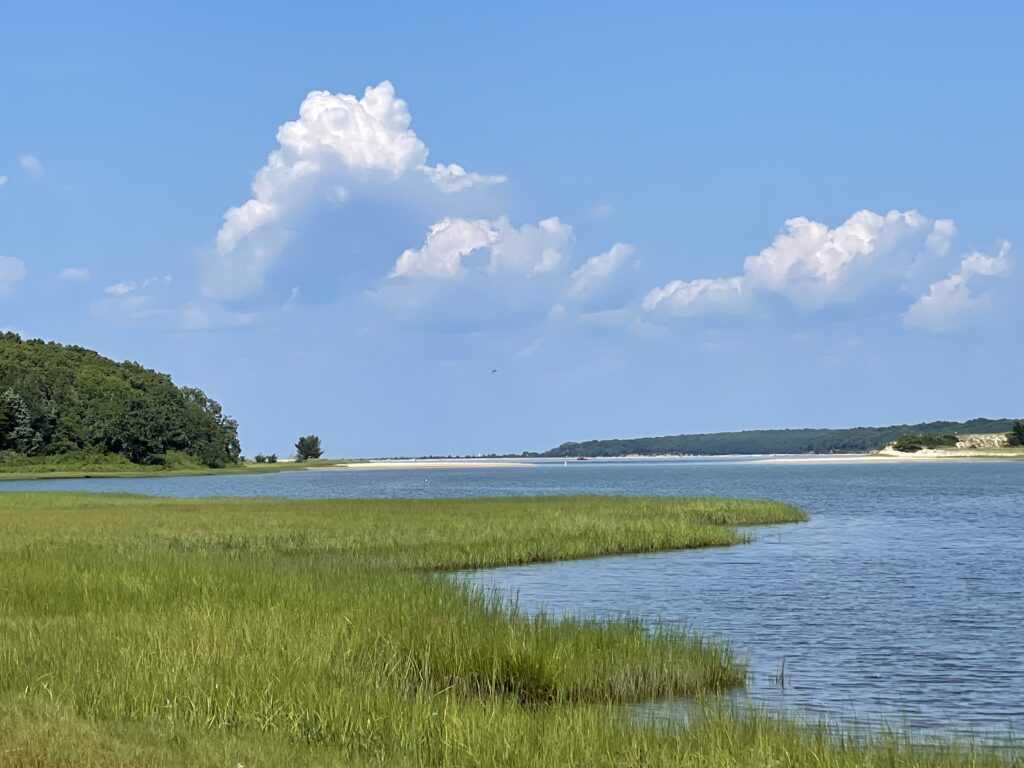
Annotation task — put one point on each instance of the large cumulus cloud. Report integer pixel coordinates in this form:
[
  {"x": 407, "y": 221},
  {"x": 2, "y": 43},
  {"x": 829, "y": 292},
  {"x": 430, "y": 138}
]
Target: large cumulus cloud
[{"x": 338, "y": 146}]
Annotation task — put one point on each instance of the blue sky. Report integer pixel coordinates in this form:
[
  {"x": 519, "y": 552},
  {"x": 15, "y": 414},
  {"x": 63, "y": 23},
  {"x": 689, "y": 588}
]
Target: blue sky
[{"x": 649, "y": 218}]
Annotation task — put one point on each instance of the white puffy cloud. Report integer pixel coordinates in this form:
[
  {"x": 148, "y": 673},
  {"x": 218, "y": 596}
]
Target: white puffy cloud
[
  {"x": 476, "y": 273},
  {"x": 597, "y": 270},
  {"x": 12, "y": 271},
  {"x": 525, "y": 251},
  {"x": 32, "y": 165},
  {"x": 73, "y": 273},
  {"x": 531, "y": 249},
  {"x": 696, "y": 297},
  {"x": 977, "y": 263},
  {"x": 338, "y": 144},
  {"x": 949, "y": 302},
  {"x": 448, "y": 242},
  {"x": 814, "y": 266}
]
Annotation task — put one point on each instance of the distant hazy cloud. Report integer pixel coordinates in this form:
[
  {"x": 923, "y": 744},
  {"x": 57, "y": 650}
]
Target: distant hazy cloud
[
  {"x": 32, "y": 165},
  {"x": 950, "y": 302},
  {"x": 129, "y": 286},
  {"x": 12, "y": 271},
  {"x": 3, "y": 180},
  {"x": 338, "y": 145},
  {"x": 602, "y": 210},
  {"x": 142, "y": 310},
  {"x": 530, "y": 349},
  {"x": 73, "y": 273}
]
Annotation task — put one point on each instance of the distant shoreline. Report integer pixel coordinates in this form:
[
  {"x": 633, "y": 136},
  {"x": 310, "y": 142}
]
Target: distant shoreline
[
  {"x": 326, "y": 465},
  {"x": 810, "y": 458}
]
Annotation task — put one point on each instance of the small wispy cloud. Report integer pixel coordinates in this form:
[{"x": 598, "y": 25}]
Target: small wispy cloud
[
  {"x": 602, "y": 210},
  {"x": 122, "y": 288},
  {"x": 950, "y": 302},
  {"x": 3, "y": 180},
  {"x": 530, "y": 349},
  {"x": 128, "y": 286},
  {"x": 599, "y": 269},
  {"x": 73, "y": 273},
  {"x": 293, "y": 297}
]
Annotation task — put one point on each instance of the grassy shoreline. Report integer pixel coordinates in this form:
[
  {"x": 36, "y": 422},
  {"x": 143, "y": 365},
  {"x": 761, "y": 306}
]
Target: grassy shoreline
[
  {"x": 57, "y": 470},
  {"x": 154, "y": 631}
]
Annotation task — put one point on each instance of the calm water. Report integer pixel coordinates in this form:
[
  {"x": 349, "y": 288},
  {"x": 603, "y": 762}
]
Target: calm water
[{"x": 902, "y": 598}]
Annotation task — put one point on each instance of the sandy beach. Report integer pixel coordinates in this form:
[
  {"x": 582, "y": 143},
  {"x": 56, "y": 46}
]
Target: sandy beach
[{"x": 852, "y": 458}]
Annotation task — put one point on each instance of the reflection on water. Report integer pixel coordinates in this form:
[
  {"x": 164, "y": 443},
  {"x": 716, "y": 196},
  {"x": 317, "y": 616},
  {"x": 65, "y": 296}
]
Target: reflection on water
[{"x": 902, "y": 598}]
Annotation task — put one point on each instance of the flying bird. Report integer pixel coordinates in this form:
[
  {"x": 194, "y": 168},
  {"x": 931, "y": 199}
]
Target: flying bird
[{"x": 493, "y": 371}]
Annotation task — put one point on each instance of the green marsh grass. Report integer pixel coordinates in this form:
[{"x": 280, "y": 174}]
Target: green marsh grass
[
  {"x": 78, "y": 464},
  {"x": 143, "y": 631}
]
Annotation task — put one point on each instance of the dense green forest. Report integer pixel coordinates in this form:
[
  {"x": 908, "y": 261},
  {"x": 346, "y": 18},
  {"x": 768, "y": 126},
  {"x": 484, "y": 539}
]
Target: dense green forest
[
  {"x": 57, "y": 399},
  {"x": 853, "y": 440}
]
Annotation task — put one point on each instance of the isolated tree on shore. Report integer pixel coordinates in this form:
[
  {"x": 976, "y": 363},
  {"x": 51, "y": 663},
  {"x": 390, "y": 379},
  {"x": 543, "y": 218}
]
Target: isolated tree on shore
[
  {"x": 308, "y": 447},
  {"x": 1016, "y": 436}
]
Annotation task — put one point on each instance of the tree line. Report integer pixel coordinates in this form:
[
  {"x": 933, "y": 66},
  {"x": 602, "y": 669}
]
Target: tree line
[
  {"x": 852, "y": 440},
  {"x": 56, "y": 399},
  {"x": 1015, "y": 438}
]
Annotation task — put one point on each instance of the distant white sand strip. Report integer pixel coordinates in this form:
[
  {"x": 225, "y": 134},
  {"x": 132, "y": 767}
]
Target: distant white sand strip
[{"x": 438, "y": 464}]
